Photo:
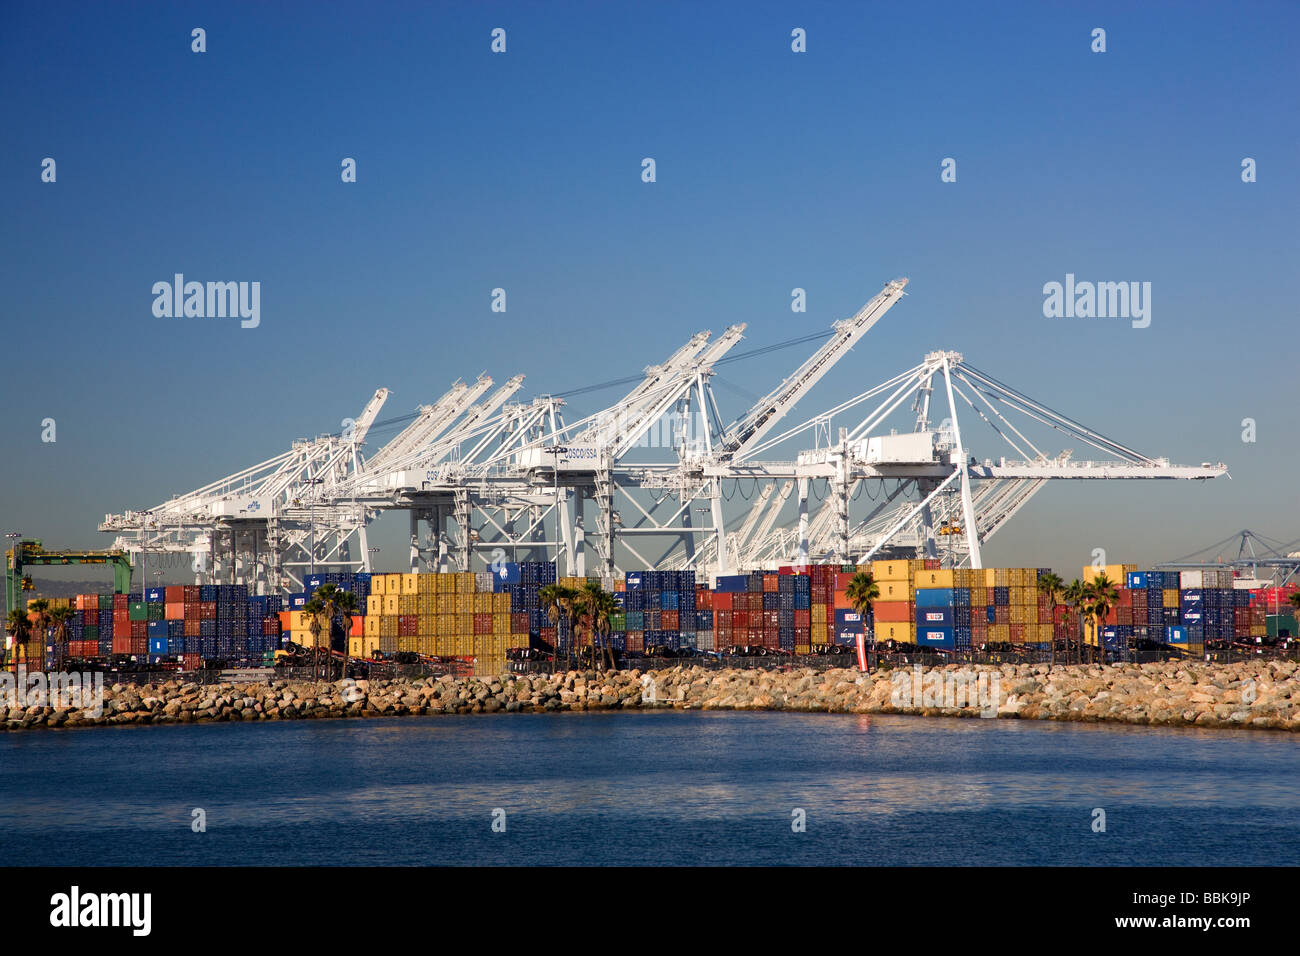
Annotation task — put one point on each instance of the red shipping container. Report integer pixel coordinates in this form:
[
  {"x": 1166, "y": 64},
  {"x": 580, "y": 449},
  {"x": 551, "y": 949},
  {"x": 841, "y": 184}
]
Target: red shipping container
[
  {"x": 519, "y": 622},
  {"x": 358, "y": 628},
  {"x": 192, "y": 628},
  {"x": 207, "y": 610},
  {"x": 122, "y": 622},
  {"x": 191, "y": 662},
  {"x": 670, "y": 621},
  {"x": 271, "y": 626},
  {"x": 482, "y": 623},
  {"x": 174, "y": 594},
  {"x": 1125, "y": 598},
  {"x": 1002, "y": 614},
  {"x": 547, "y": 634},
  {"x": 771, "y": 620},
  {"x": 191, "y": 594},
  {"x": 635, "y": 642},
  {"x": 722, "y": 619},
  {"x": 841, "y": 601},
  {"x": 1017, "y": 633},
  {"x": 408, "y": 625},
  {"x": 740, "y": 619},
  {"x": 139, "y": 629},
  {"x": 1123, "y": 616},
  {"x": 931, "y": 564},
  {"x": 121, "y": 602},
  {"x": 703, "y": 600},
  {"x": 802, "y": 619},
  {"x": 121, "y": 645},
  {"x": 192, "y": 611},
  {"x": 722, "y": 601},
  {"x": 771, "y": 583}
]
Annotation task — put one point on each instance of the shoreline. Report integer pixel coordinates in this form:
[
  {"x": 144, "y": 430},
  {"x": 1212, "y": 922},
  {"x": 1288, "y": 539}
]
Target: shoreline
[{"x": 1254, "y": 695}]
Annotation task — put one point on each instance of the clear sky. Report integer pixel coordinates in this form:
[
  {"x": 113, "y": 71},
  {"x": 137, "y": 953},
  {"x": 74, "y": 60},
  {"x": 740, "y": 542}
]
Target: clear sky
[{"x": 522, "y": 170}]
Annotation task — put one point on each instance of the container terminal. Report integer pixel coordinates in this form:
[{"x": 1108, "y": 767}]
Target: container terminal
[{"x": 663, "y": 504}]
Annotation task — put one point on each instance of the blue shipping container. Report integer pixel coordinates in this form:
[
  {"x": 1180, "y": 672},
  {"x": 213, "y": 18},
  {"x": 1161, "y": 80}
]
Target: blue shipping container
[
  {"x": 942, "y": 637},
  {"x": 934, "y": 617},
  {"x": 934, "y": 597}
]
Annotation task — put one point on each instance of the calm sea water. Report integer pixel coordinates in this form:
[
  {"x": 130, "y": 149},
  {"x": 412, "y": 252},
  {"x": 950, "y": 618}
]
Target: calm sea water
[{"x": 651, "y": 788}]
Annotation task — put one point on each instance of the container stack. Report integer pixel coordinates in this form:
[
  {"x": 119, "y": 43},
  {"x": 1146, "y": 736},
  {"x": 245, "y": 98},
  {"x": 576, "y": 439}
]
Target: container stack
[
  {"x": 895, "y": 609},
  {"x": 661, "y": 611},
  {"x": 471, "y": 616}
]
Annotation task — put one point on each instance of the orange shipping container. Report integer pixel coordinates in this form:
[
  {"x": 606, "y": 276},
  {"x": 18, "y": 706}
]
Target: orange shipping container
[
  {"x": 174, "y": 612},
  {"x": 358, "y": 626},
  {"x": 898, "y": 612}
]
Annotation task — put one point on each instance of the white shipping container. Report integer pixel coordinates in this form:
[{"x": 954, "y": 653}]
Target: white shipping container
[{"x": 1190, "y": 579}]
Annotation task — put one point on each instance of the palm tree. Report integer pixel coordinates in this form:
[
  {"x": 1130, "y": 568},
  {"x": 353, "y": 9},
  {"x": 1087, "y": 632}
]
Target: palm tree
[
  {"x": 863, "y": 592},
  {"x": 1102, "y": 595},
  {"x": 1075, "y": 597},
  {"x": 558, "y": 600},
  {"x": 346, "y": 604},
  {"x": 328, "y": 602},
  {"x": 40, "y": 610},
  {"x": 59, "y": 618},
  {"x": 1051, "y": 587},
  {"x": 597, "y": 608},
  {"x": 20, "y": 626}
]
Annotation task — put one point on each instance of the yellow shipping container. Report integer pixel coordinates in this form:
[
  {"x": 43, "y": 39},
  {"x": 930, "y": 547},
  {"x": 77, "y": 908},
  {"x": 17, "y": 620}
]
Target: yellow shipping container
[
  {"x": 371, "y": 626},
  {"x": 1169, "y": 597},
  {"x": 426, "y": 583},
  {"x": 388, "y": 625},
  {"x": 895, "y": 590},
  {"x": 464, "y": 582},
  {"x": 304, "y": 638},
  {"x": 889, "y": 631},
  {"x": 1113, "y": 571},
  {"x": 501, "y": 603},
  {"x": 933, "y": 579},
  {"x": 891, "y": 571},
  {"x": 378, "y": 584},
  {"x": 374, "y": 604},
  {"x": 1000, "y": 633},
  {"x": 363, "y": 646}
]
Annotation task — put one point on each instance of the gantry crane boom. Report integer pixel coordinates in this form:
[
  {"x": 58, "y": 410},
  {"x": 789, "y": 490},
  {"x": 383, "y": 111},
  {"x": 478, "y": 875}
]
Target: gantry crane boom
[{"x": 750, "y": 428}]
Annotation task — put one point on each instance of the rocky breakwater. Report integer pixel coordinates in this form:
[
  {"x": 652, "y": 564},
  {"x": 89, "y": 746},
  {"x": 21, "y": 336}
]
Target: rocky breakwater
[{"x": 1256, "y": 694}]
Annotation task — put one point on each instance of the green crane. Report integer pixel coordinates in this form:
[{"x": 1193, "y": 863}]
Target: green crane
[{"x": 29, "y": 551}]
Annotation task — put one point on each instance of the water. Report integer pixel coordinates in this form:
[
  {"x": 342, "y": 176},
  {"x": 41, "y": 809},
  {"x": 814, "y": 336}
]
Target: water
[{"x": 649, "y": 788}]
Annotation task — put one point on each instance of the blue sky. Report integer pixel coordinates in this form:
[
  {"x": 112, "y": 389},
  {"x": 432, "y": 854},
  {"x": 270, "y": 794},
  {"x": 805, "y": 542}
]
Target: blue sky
[{"x": 775, "y": 170}]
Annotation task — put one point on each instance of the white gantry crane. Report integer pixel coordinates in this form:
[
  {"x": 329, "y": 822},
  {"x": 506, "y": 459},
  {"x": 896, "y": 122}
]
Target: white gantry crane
[
  {"x": 253, "y": 526},
  {"x": 487, "y": 476},
  {"x": 928, "y": 482}
]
